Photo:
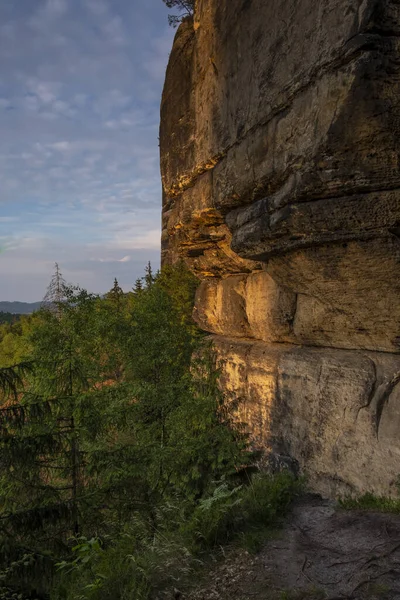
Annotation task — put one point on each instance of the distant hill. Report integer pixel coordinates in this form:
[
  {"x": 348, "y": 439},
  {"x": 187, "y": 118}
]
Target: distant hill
[{"x": 20, "y": 308}]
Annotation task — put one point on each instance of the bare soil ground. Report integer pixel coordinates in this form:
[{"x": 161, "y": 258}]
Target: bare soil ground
[{"x": 323, "y": 552}]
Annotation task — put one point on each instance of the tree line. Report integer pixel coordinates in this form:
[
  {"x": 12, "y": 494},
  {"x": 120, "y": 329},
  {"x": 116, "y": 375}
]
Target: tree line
[
  {"x": 119, "y": 459},
  {"x": 7, "y": 317}
]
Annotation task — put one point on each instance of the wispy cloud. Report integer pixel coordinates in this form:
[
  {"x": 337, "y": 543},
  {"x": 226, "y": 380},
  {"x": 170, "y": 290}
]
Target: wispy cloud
[
  {"x": 80, "y": 85},
  {"x": 108, "y": 260}
]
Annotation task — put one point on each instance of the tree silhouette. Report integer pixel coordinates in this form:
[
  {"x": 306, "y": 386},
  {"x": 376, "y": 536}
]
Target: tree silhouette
[
  {"x": 56, "y": 291},
  {"x": 185, "y": 7},
  {"x": 138, "y": 286},
  {"x": 116, "y": 290},
  {"x": 149, "y": 277},
  {"x": 116, "y": 294}
]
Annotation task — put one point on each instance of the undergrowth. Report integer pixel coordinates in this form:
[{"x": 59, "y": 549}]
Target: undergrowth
[
  {"x": 243, "y": 513},
  {"x": 131, "y": 468},
  {"x": 145, "y": 559},
  {"x": 369, "y": 501}
]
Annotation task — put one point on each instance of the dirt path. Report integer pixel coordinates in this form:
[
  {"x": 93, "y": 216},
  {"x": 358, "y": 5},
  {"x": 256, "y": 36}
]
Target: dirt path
[{"x": 323, "y": 552}]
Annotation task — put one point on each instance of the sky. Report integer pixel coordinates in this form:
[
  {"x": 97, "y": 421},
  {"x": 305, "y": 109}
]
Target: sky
[{"x": 80, "y": 89}]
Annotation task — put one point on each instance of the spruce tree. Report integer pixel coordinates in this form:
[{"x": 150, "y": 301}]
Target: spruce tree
[
  {"x": 11, "y": 379},
  {"x": 36, "y": 499},
  {"x": 116, "y": 294},
  {"x": 149, "y": 277},
  {"x": 56, "y": 291},
  {"x": 138, "y": 286},
  {"x": 42, "y": 488},
  {"x": 116, "y": 422}
]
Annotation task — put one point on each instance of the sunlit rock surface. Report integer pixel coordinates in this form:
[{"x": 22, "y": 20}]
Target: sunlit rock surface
[{"x": 280, "y": 148}]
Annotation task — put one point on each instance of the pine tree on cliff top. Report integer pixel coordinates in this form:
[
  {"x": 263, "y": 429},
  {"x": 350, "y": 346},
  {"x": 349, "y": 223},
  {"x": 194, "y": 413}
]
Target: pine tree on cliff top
[{"x": 185, "y": 7}]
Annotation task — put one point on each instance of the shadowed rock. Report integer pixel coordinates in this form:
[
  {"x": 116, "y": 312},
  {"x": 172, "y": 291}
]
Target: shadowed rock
[{"x": 280, "y": 147}]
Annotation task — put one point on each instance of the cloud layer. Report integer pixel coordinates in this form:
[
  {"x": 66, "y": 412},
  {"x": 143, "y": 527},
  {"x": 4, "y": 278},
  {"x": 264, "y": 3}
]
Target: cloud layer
[{"x": 80, "y": 86}]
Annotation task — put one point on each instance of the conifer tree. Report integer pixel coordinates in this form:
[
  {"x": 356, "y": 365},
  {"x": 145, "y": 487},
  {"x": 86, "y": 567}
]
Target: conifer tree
[
  {"x": 116, "y": 422},
  {"x": 116, "y": 294},
  {"x": 11, "y": 379},
  {"x": 149, "y": 278},
  {"x": 185, "y": 8},
  {"x": 35, "y": 488},
  {"x": 138, "y": 286},
  {"x": 56, "y": 291},
  {"x": 41, "y": 482}
]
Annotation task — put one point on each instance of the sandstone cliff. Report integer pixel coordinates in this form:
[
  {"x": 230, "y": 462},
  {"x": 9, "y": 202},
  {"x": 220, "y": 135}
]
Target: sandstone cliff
[{"x": 280, "y": 148}]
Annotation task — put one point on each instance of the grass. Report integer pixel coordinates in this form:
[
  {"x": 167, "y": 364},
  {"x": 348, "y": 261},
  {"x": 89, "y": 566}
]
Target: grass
[{"x": 371, "y": 502}]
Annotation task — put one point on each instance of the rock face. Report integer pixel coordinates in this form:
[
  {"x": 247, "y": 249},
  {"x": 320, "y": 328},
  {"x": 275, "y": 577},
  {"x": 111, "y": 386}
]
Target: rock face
[{"x": 280, "y": 151}]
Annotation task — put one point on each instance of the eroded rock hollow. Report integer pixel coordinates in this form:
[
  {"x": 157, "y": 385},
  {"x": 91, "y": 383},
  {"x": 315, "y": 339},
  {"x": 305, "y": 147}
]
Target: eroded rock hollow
[{"x": 280, "y": 147}]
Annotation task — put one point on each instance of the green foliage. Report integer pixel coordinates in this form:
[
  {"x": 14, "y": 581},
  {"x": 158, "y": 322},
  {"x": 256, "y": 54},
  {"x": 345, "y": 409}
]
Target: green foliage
[
  {"x": 116, "y": 295},
  {"x": 245, "y": 512},
  {"x": 25, "y": 575},
  {"x": 149, "y": 277},
  {"x": 180, "y": 284},
  {"x": 145, "y": 558},
  {"x": 371, "y": 502},
  {"x": 11, "y": 378},
  {"x": 14, "y": 345},
  {"x": 119, "y": 460},
  {"x": 121, "y": 570},
  {"x": 7, "y": 317}
]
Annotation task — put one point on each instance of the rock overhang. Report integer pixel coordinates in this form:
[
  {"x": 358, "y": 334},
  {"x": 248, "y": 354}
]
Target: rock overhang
[{"x": 281, "y": 178}]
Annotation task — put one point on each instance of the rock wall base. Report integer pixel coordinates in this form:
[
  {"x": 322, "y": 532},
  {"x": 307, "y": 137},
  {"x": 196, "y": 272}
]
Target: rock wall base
[{"x": 337, "y": 412}]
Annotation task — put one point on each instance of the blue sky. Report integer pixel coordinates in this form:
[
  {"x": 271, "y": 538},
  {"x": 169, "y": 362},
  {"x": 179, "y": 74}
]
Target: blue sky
[{"x": 80, "y": 88}]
